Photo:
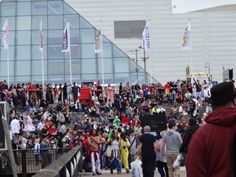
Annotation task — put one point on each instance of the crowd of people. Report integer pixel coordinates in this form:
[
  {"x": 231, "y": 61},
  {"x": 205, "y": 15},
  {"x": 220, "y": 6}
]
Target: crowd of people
[{"x": 108, "y": 124}]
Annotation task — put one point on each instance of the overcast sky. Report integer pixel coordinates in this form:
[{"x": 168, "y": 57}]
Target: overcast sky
[{"x": 180, "y": 6}]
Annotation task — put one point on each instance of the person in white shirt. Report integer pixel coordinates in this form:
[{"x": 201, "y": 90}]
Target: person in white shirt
[
  {"x": 15, "y": 126},
  {"x": 62, "y": 128},
  {"x": 40, "y": 125},
  {"x": 28, "y": 123},
  {"x": 37, "y": 151}
]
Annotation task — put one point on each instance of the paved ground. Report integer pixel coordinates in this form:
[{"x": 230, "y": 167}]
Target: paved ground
[{"x": 106, "y": 173}]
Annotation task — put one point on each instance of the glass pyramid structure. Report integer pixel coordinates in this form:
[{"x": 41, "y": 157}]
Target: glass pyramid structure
[{"x": 25, "y": 58}]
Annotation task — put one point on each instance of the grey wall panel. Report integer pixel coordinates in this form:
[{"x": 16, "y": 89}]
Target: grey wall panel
[{"x": 213, "y": 35}]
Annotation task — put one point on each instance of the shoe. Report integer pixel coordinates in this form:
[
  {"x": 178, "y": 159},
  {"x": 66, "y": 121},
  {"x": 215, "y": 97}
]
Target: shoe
[
  {"x": 119, "y": 171},
  {"x": 111, "y": 171},
  {"x": 127, "y": 170},
  {"x": 98, "y": 173},
  {"x": 94, "y": 174}
]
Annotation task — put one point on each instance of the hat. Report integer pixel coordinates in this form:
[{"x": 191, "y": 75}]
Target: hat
[{"x": 222, "y": 93}]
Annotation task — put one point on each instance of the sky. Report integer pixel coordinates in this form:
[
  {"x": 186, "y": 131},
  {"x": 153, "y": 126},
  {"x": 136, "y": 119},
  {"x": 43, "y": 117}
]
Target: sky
[{"x": 181, "y": 6}]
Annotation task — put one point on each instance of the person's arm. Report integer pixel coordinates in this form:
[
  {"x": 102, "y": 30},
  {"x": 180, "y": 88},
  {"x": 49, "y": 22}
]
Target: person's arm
[
  {"x": 139, "y": 147},
  {"x": 196, "y": 162},
  {"x": 89, "y": 141},
  {"x": 180, "y": 141},
  {"x": 163, "y": 145},
  {"x": 127, "y": 142}
]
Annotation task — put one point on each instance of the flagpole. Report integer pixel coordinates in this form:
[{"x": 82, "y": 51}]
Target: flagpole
[
  {"x": 42, "y": 62},
  {"x": 102, "y": 57},
  {"x": 70, "y": 67},
  {"x": 145, "y": 63},
  {"x": 102, "y": 65},
  {"x": 8, "y": 68},
  {"x": 191, "y": 52},
  {"x": 43, "y": 85},
  {"x": 191, "y": 61}
]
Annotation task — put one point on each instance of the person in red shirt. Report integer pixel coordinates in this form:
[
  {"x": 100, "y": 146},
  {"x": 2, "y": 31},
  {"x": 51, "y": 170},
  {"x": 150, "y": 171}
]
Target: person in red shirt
[
  {"x": 124, "y": 120},
  {"x": 52, "y": 130},
  {"x": 85, "y": 143},
  {"x": 211, "y": 147}
]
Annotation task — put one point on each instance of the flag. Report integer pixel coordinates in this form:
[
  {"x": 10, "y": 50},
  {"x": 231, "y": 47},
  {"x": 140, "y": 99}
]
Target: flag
[
  {"x": 41, "y": 37},
  {"x": 5, "y": 38},
  {"x": 146, "y": 38},
  {"x": 66, "y": 38},
  {"x": 186, "y": 45},
  {"x": 98, "y": 43}
]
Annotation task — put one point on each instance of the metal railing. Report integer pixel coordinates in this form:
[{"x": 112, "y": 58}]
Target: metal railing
[
  {"x": 66, "y": 166},
  {"x": 28, "y": 161}
]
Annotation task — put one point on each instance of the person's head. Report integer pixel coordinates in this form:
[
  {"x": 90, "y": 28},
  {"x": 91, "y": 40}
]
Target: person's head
[
  {"x": 115, "y": 136},
  {"x": 192, "y": 122},
  {"x": 172, "y": 124},
  {"x": 223, "y": 95},
  {"x": 147, "y": 129},
  {"x": 94, "y": 132},
  {"x": 122, "y": 135}
]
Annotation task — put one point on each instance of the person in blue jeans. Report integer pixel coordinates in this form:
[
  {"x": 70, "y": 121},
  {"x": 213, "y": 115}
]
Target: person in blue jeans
[{"x": 115, "y": 155}]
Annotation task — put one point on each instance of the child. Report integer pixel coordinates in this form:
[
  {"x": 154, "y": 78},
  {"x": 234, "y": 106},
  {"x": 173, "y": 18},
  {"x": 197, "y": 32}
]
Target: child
[{"x": 136, "y": 169}]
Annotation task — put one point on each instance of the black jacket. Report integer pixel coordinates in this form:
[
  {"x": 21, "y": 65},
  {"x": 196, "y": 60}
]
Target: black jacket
[{"x": 186, "y": 138}]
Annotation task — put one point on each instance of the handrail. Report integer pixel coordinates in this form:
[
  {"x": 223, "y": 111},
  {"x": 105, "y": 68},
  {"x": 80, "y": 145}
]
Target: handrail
[
  {"x": 65, "y": 166},
  {"x": 29, "y": 161}
]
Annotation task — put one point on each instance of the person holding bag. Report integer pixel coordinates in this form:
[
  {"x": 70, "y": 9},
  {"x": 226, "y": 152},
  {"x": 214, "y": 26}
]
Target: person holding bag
[
  {"x": 133, "y": 146},
  {"x": 173, "y": 141}
]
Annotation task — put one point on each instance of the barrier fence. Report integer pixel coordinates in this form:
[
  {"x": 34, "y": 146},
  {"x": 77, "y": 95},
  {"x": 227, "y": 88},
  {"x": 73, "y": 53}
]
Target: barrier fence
[
  {"x": 66, "y": 166},
  {"x": 28, "y": 161}
]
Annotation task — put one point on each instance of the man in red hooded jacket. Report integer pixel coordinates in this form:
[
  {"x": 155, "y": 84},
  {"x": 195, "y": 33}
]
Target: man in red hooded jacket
[{"x": 210, "y": 150}]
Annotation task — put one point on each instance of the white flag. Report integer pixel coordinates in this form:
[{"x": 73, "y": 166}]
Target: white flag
[
  {"x": 186, "y": 43},
  {"x": 66, "y": 38},
  {"x": 146, "y": 38},
  {"x": 5, "y": 38},
  {"x": 98, "y": 43},
  {"x": 41, "y": 37}
]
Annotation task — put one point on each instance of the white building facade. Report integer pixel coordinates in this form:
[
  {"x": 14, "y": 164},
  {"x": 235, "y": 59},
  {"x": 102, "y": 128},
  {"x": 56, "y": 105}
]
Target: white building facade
[{"x": 213, "y": 35}]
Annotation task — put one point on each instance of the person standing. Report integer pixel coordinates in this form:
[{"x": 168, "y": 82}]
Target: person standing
[
  {"x": 148, "y": 154},
  {"x": 193, "y": 126},
  {"x": 124, "y": 149},
  {"x": 37, "y": 151},
  {"x": 211, "y": 149},
  {"x": 161, "y": 162},
  {"x": 15, "y": 126},
  {"x": 133, "y": 145},
  {"x": 115, "y": 152},
  {"x": 173, "y": 141},
  {"x": 94, "y": 141}
]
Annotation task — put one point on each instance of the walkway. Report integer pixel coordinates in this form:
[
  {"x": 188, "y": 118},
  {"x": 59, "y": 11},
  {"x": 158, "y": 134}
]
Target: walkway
[{"x": 106, "y": 173}]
